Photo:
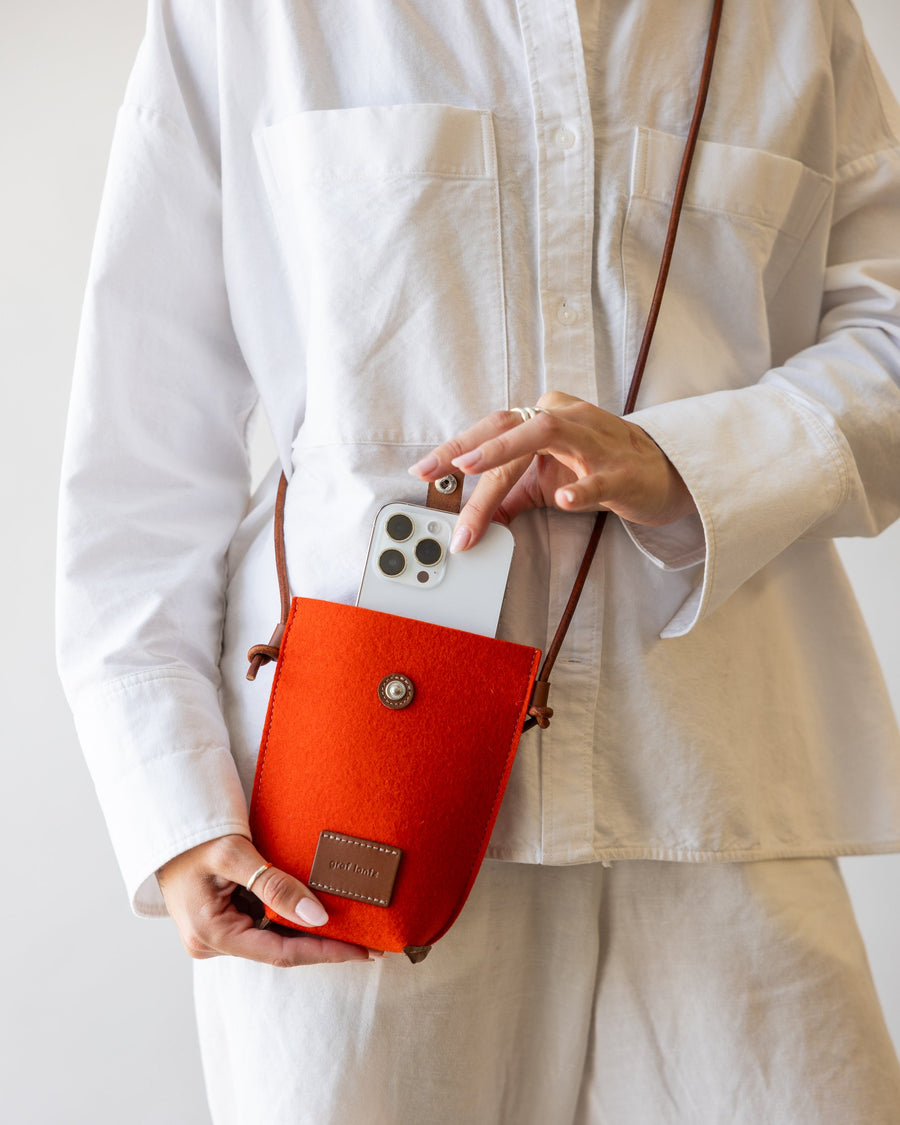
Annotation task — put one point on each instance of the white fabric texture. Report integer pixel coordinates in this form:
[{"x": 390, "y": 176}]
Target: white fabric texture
[
  {"x": 382, "y": 221},
  {"x": 650, "y": 993}
]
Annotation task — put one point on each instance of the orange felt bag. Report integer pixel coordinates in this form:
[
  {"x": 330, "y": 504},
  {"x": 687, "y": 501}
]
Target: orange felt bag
[
  {"x": 398, "y": 799},
  {"x": 388, "y": 742}
]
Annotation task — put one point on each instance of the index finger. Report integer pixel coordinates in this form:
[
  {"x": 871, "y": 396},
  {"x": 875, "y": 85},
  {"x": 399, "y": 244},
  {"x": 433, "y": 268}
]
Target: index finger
[
  {"x": 569, "y": 441},
  {"x": 439, "y": 462}
]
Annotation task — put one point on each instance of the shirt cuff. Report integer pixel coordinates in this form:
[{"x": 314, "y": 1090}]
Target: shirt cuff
[
  {"x": 675, "y": 546},
  {"x": 158, "y": 752},
  {"x": 763, "y": 469}
]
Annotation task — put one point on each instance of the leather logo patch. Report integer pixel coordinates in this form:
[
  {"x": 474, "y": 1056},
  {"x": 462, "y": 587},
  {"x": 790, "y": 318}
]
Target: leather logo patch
[{"x": 352, "y": 868}]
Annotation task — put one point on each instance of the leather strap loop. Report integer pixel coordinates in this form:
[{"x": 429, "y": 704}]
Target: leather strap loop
[
  {"x": 262, "y": 654},
  {"x": 539, "y": 713},
  {"x": 443, "y": 500}
]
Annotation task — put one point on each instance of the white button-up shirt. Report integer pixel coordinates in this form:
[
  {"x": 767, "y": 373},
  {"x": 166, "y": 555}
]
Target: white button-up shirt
[{"x": 383, "y": 221}]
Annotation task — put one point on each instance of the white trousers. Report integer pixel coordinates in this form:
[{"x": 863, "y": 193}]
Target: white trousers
[{"x": 647, "y": 993}]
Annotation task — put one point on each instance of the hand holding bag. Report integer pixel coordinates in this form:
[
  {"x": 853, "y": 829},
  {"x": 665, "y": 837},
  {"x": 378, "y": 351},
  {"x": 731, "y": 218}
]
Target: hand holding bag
[{"x": 388, "y": 742}]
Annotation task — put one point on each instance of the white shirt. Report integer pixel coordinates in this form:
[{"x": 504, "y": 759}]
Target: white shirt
[{"x": 383, "y": 221}]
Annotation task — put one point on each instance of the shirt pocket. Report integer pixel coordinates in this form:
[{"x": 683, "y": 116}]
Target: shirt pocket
[
  {"x": 390, "y": 221},
  {"x": 747, "y": 215}
]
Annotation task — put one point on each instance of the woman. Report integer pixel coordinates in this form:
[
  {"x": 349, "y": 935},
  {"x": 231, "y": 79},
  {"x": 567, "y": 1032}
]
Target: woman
[{"x": 388, "y": 225}]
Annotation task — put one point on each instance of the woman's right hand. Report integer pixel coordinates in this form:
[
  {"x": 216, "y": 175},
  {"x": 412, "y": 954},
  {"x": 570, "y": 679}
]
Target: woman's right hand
[{"x": 197, "y": 887}]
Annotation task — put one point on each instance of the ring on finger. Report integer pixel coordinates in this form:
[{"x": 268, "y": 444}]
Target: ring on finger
[
  {"x": 256, "y": 874},
  {"x": 528, "y": 412}
]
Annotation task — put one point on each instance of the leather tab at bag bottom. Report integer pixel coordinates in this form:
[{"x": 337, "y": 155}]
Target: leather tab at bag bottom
[{"x": 352, "y": 868}]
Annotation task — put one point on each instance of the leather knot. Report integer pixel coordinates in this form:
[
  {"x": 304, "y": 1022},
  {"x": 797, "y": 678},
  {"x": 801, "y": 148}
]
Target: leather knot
[
  {"x": 262, "y": 654},
  {"x": 538, "y": 711},
  {"x": 541, "y": 715}
]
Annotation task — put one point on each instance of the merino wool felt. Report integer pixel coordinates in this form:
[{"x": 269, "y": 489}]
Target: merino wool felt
[{"x": 427, "y": 778}]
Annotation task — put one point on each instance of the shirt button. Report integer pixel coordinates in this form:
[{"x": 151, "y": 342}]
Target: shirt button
[
  {"x": 566, "y": 314},
  {"x": 564, "y": 138}
]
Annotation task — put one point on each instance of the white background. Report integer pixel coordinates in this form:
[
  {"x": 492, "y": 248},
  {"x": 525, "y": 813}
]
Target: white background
[{"x": 96, "y": 1021}]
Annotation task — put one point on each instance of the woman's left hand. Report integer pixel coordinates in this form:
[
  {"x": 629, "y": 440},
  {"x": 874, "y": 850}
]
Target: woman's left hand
[{"x": 571, "y": 455}]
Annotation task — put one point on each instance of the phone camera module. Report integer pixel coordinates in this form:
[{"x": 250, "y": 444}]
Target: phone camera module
[
  {"x": 428, "y": 552},
  {"x": 392, "y": 562},
  {"x": 399, "y": 528}
]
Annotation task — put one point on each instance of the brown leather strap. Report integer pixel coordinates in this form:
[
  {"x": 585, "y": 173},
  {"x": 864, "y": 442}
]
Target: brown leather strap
[
  {"x": 539, "y": 713},
  {"x": 262, "y": 654}
]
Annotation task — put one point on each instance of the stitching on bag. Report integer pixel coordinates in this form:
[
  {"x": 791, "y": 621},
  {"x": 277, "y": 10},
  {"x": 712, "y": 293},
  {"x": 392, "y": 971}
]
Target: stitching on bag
[
  {"x": 361, "y": 843},
  {"x": 349, "y": 894}
]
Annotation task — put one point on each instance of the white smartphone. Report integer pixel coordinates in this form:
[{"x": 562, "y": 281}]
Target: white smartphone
[{"x": 410, "y": 572}]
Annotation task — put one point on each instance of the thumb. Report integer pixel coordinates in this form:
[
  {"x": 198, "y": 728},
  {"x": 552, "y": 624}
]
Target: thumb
[{"x": 281, "y": 892}]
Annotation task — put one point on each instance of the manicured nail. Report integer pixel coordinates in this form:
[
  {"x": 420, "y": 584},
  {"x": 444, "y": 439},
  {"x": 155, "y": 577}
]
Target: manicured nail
[
  {"x": 427, "y": 465},
  {"x": 568, "y": 496},
  {"x": 460, "y": 539},
  {"x": 311, "y": 912},
  {"x": 469, "y": 460}
]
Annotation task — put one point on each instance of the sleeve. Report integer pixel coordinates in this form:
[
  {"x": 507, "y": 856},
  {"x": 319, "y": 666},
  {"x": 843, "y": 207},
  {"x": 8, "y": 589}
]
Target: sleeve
[
  {"x": 155, "y": 469},
  {"x": 811, "y": 450}
]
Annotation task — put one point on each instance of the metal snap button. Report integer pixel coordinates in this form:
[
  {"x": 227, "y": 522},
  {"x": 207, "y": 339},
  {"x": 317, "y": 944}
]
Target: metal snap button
[
  {"x": 446, "y": 485},
  {"x": 396, "y": 691}
]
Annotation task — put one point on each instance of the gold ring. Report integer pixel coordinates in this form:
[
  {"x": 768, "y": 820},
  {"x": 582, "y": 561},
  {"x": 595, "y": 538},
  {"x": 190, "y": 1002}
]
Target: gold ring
[{"x": 256, "y": 874}]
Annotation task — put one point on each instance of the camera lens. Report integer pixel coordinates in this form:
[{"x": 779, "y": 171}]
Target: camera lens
[
  {"x": 428, "y": 552},
  {"x": 391, "y": 562},
  {"x": 399, "y": 527}
]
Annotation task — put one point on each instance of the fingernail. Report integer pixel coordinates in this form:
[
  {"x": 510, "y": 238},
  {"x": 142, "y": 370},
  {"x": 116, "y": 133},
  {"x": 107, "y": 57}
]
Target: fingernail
[
  {"x": 376, "y": 954},
  {"x": 568, "y": 496},
  {"x": 460, "y": 539},
  {"x": 426, "y": 465},
  {"x": 469, "y": 460},
  {"x": 311, "y": 912}
]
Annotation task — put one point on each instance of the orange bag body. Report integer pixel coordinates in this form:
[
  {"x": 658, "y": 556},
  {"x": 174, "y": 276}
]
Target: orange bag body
[{"x": 426, "y": 778}]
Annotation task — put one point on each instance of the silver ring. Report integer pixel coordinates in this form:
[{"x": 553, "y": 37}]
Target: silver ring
[
  {"x": 528, "y": 412},
  {"x": 256, "y": 874}
]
